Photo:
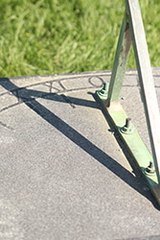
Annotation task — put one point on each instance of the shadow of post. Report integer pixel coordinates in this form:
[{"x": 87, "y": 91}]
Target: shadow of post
[{"x": 26, "y": 96}]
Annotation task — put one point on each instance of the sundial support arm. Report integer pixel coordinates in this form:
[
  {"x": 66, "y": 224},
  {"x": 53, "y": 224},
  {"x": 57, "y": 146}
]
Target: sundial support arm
[{"x": 132, "y": 31}]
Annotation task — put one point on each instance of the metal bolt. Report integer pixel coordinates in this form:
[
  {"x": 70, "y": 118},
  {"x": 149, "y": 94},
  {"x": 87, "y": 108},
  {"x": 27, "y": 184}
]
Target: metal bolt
[
  {"x": 150, "y": 165},
  {"x": 105, "y": 86},
  {"x": 103, "y": 93},
  {"x": 128, "y": 123},
  {"x": 150, "y": 169},
  {"x": 128, "y": 128}
]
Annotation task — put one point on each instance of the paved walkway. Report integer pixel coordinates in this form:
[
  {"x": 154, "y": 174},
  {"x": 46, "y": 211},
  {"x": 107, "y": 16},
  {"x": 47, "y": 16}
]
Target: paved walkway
[{"x": 62, "y": 173}]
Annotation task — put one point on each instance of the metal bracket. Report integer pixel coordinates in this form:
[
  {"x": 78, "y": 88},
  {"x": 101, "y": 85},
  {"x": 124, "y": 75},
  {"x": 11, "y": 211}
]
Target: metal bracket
[{"x": 132, "y": 32}]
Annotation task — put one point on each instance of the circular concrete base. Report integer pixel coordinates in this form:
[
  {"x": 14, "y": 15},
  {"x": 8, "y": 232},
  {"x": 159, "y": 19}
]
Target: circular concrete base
[{"x": 63, "y": 175}]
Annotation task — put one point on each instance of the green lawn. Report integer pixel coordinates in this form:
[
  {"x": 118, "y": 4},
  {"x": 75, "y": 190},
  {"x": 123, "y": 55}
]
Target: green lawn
[{"x": 61, "y": 36}]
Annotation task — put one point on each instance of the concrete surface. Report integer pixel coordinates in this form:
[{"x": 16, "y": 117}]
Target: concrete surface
[{"x": 62, "y": 173}]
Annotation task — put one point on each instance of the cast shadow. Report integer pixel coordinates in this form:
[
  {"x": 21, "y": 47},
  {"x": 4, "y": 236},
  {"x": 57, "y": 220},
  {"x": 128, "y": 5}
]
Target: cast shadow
[{"x": 28, "y": 97}]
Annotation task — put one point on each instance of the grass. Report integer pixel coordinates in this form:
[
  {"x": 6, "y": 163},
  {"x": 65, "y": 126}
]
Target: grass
[{"x": 62, "y": 36}]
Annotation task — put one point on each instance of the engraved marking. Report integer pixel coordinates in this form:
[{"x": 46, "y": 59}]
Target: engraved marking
[
  {"x": 50, "y": 87},
  {"x": 67, "y": 100},
  {"x": 6, "y": 108},
  {"x": 23, "y": 95},
  {"x": 93, "y": 81},
  {"x": 6, "y": 126},
  {"x": 62, "y": 86}
]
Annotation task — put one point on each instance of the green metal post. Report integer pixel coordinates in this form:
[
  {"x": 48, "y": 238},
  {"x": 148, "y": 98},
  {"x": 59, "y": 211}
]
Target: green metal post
[
  {"x": 119, "y": 66},
  {"x": 132, "y": 30},
  {"x": 145, "y": 79}
]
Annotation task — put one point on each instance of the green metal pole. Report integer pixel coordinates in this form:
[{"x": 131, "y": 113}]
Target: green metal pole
[
  {"x": 119, "y": 66},
  {"x": 132, "y": 30},
  {"x": 145, "y": 79}
]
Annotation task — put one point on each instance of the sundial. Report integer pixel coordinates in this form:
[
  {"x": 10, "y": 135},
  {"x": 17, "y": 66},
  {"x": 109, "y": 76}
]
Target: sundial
[{"x": 68, "y": 166}]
